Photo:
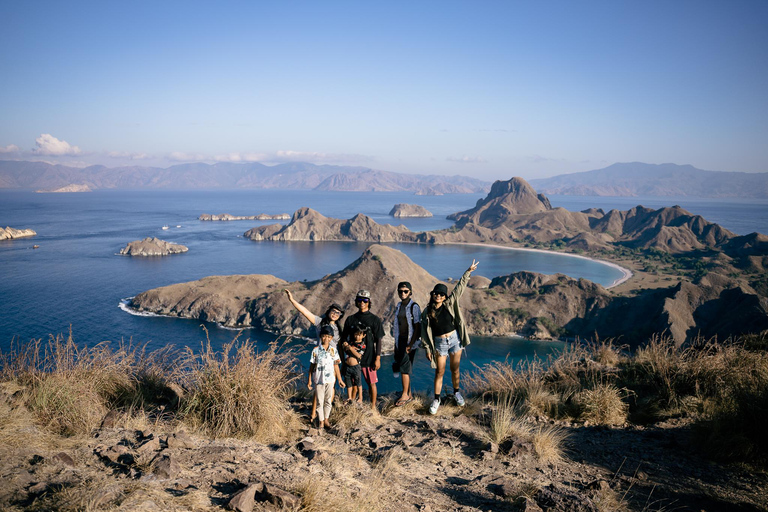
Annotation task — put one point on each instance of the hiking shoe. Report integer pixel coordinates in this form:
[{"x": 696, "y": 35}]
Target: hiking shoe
[
  {"x": 459, "y": 399},
  {"x": 435, "y": 405}
]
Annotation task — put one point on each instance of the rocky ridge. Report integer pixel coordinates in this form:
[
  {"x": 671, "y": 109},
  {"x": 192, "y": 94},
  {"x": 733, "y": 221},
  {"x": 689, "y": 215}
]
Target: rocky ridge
[
  {"x": 409, "y": 210},
  {"x": 310, "y": 225},
  {"x": 152, "y": 246},
  {"x": 9, "y": 233}
]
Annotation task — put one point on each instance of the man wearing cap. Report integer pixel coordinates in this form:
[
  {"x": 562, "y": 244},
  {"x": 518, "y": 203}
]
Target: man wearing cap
[
  {"x": 374, "y": 332},
  {"x": 406, "y": 330}
]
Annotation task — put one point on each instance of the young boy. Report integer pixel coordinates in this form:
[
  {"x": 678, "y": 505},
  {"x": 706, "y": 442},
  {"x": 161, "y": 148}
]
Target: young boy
[
  {"x": 354, "y": 350},
  {"x": 324, "y": 370}
]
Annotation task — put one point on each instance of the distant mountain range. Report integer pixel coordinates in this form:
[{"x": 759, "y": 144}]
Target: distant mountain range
[
  {"x": 47, "y": 177},
  {"x": 639, "y": 179}
]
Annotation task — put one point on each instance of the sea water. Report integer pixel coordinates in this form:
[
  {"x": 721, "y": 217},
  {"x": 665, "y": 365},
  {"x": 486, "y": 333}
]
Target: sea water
[{"x": 76, "y": 280}]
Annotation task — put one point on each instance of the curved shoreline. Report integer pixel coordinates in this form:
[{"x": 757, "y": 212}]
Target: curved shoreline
[{"x": 626, "y": 273}]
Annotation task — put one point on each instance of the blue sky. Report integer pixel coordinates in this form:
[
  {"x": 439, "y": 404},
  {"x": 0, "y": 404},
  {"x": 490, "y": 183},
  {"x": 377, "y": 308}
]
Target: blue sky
[{"x": 489, "y": 89}]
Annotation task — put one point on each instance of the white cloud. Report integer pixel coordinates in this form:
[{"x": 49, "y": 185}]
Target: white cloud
[
  {"x": 179, "y": 156},
  {"x": 315, "y": 157},
  {"x": 127, "y": 155},
  {"x": 47, "y": 144},
  {"x": 241, "y": 157},
  {"x": 11, "y": 148},
  {"x": 467, "y": 160}
]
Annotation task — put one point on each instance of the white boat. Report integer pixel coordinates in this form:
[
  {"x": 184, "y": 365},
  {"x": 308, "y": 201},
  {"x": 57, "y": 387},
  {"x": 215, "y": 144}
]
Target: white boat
[{"x": 165, "y": 227}]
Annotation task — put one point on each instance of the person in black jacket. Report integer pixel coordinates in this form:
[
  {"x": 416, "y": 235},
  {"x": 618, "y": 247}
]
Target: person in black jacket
[{"x": 374, "y": 333}]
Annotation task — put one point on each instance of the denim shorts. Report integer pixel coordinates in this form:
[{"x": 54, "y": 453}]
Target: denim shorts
[{"x": 449, "y": 345}]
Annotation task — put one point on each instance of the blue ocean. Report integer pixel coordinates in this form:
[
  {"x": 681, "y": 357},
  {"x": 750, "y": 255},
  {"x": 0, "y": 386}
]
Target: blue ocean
[{"x": 75, "y": 279}]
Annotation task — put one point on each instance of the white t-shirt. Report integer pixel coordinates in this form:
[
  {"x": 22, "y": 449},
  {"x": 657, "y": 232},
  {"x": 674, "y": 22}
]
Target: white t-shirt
[{"x": 324, "y": 361}]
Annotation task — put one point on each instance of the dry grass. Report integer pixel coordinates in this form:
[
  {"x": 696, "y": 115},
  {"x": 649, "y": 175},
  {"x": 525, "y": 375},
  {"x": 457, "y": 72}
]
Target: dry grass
[
  {"x": 355, "y": 415},
  {"x": 419, "y": 403},
  {"x": 505, "y": 422},
  {"x": 548, "y": 443},
  {"x": 243, "y": 395},
  {"x": 69, "y": 388},
  {"x": 602, "y": 405}
]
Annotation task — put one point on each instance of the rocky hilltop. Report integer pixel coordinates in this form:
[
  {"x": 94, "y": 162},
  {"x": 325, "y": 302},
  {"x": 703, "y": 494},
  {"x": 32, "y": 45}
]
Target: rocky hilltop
[
  {"x": 9, "y": 233},
  {"x": 536, "y": 305},
  {"x": 409, "y": 210},
  {"x": 513, "y": 212},
  {"x": 151, "y": 246},
  {"x": 310, "y": 225},
  {"x": 258, "y": 300},
  {"x": 227, "y": 217}
]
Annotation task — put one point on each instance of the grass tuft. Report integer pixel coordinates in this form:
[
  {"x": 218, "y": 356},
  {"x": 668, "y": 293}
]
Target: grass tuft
[{"x": 242, "y": 395}]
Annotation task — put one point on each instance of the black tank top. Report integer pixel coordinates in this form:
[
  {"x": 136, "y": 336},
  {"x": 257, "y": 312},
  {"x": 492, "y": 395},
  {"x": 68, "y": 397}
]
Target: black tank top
[{"x": 443, "y": 323}]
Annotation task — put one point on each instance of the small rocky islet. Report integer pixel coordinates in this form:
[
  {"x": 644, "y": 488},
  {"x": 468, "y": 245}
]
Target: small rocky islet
[
  {"x": 9, "y": 233},
  {"x": 152, "y": 246}
]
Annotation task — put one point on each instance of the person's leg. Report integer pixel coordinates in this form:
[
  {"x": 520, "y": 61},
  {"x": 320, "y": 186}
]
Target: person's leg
[
  {"x": 314, "y": 407},
  {"x": 439, "y": 372},
  {"x": 359, "y": 393},
  {"x": 455, "y": 360},
  {"x": 370, "y": 380},
  {"x": 406, "y": 379},
  {"x": 320, "y": 396},
  {"x": 328, "y": 404}
]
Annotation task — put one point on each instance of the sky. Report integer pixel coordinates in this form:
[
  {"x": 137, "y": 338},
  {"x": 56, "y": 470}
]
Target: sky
[{"x": 482, "y": 88}]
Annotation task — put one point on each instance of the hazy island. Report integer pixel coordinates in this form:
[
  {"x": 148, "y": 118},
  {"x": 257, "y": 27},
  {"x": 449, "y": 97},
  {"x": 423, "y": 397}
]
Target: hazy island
[
  {"x": 67, "y": 188},
  {"x": 228, "y": 217},
  {"x": 409, "y": 210},
  {"x": 152, "y": 246},
  {"x": 9, "y": 233}
]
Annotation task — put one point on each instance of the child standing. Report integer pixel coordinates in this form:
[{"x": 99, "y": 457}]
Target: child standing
[
  {"x": 324, "y": 370},
  {"x": 353, "y": 351}
]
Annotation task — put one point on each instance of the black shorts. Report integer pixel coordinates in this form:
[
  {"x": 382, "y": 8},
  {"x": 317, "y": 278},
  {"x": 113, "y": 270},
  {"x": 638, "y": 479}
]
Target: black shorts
[
  {"x": 353, "y": 376},
  {"x": 404, "y": 361}
]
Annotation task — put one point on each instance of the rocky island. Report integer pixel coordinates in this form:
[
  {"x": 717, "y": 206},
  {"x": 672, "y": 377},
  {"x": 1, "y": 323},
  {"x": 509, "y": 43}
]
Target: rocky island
[
  {"x": 9, "y": 233},
  {"x": 68, "y": 188},
  {"x": 152, "y": 246},
  {"x": 409, "y": 210},
  {"x": 227, "y": 217}
]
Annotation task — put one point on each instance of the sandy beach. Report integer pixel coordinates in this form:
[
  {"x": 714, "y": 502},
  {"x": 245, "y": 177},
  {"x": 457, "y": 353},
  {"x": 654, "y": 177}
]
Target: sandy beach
[{"x": 626, "y": 273}]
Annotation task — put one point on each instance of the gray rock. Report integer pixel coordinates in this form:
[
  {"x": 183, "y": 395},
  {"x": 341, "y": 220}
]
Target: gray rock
[
  {"x": 244, "y": 500},
  {"x": 409, "y": 210},
  {"x": 64, "y": 458},
  {"x": 165, "y": 467},
  {"x": 151, "y": 246}
]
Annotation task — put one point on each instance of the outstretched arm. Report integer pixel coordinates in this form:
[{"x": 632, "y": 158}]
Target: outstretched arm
[
  {"x": 301, "y": 309},
  {"x": 461, "y": 286}
]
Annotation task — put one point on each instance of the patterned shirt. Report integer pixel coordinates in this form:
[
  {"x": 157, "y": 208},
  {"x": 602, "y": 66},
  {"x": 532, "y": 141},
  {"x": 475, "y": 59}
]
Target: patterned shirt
[{"x": 324, "y": 361}]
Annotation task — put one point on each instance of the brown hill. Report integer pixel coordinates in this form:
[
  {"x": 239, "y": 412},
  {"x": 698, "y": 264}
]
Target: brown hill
[
  {"x": 506, "y": 198},
  {"x": 258, "y": 300}
]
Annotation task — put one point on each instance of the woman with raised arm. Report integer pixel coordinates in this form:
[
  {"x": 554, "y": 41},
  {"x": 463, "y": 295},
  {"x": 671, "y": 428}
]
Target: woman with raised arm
[
  {"x": 331, "y": 318},
  {"x": 444, "y": 334}
]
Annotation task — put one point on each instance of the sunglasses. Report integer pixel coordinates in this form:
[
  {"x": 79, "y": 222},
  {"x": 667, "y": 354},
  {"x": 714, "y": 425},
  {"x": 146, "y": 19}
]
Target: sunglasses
[
  {"x": 437, "y": 294},
  {"x": 362, "y": 299},
  {"x": 336, "y": 311},
  {"x": 404, "y": 292}
]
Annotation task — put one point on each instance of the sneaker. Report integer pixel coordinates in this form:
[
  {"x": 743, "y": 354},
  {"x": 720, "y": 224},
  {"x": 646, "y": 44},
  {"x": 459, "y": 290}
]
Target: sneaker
[
  {"x": 459, "y": 399},
  {"x": 433, "y": 408}
]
